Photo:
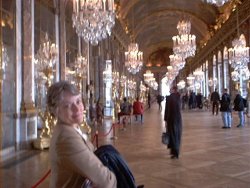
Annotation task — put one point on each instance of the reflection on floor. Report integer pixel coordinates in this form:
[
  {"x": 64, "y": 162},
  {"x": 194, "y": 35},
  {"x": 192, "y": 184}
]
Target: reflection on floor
[{"x": 210, "y": 156}]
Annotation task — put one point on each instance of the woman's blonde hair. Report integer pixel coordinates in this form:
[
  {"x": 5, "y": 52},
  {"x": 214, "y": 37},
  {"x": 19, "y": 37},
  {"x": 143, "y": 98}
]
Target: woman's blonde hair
[{"x": 55, "y": 91}]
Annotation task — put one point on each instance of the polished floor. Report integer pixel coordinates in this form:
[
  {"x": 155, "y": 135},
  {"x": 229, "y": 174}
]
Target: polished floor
[{"x": 211, "y": 157}]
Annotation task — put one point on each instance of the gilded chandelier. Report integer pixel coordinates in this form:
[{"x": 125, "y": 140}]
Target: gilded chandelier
[
  {"x": 184, "y": 43},
  {"x": 93, "y": 19},
  {"x": 133, "y": 58}
]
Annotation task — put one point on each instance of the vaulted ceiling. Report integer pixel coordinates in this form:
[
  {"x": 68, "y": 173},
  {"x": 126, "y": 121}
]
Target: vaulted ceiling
[{"x": 152, "y": 23}]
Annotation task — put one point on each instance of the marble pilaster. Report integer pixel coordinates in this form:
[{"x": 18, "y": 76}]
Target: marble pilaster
[
  {"x": 26, "y": 127},
  {"x": 27, "y": 105},
  {"x": 62, "y": 40}
]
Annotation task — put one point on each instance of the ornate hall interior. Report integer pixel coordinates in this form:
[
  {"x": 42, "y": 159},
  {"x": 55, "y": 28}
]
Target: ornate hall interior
[{"x": 111, "y": 49}]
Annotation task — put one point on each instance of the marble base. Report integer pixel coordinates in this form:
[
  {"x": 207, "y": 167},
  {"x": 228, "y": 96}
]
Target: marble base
[{"x": 41, "y": 143}]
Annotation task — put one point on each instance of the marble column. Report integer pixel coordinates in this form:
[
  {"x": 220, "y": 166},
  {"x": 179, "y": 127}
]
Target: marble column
[
  {"x": 28, "y": 56},
  {"x": 62, "y": 40},
  {"x": 1, "y": 61},
  {"x": 26, "y": 127}
]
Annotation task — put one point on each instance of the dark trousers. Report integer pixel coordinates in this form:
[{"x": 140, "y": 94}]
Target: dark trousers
[
  {"x": 122, "y": 114},
  {"x": 215, "y": 107}
]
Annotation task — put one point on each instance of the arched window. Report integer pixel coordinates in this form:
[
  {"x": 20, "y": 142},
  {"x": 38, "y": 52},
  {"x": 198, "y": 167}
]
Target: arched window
[
  {"x": 206, "y": 78},
  {"x": 220, "y": 73},
  {"x": 226, "y": 75},
  {"x": 214, "y": 73}
]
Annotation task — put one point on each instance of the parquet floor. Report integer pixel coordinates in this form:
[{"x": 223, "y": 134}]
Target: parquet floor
[{"x": 210, "y": 157}]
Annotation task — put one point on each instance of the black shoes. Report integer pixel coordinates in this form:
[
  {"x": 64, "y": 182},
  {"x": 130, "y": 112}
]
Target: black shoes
[
  {"x": 174, "y": 157},
  {"x": 240, "y": 126},
  {"x": 225, "y": 127},
  {"x": 140, "y": 186}
]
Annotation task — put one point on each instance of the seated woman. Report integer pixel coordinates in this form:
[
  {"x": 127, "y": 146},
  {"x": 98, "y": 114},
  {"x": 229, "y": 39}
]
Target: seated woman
[
  {"x": 125, "y": 108},
  {"x": 138, "y": 109},
  {"x": 72, "y": 157}
]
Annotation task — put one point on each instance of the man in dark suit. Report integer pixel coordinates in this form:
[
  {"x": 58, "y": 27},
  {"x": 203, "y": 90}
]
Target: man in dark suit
[
  {"x": 173, "y": 120},
  {"x": 215, "y": 99}
]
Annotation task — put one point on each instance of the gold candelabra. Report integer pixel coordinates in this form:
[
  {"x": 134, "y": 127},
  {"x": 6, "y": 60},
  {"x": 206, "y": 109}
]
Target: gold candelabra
[
  {"x": 45, "y": 60},
  {"x": 48, "y": 121},
  {"x": 84, "y": 124}
]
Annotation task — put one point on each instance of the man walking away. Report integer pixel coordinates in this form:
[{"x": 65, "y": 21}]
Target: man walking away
[{"x": 215, "y": 98}]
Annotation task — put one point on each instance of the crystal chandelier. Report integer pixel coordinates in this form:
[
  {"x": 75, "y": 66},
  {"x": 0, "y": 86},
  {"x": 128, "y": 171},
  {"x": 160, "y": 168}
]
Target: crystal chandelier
[
  {"x": 245, "y": 74},
  {"x": 239, "y": 54},
  {"x": 199, "y": 75},
  {"x": 4, "y": 62},
  {"x": 115, "y": 78},
  {"x": 184, "y": 43},
  {"x": 181, "y": 84},
  {"x": 238, "y": 57},
  {"x": 190, "y": 79},
  {"x": 123, "y": 80},
  {"x": 45, "y": 59},
  {"x": 142, "y": 87},
  {"x": 93, "y": 19},
  {"x": 177, "y": 62},
  {"x": 131, "y": 84},
  {"x": 81, "y": 65},
  {"x": 148, "y": 76},
  {"x": 133, "y": 58},
  {"x": 217, "y": 2}
]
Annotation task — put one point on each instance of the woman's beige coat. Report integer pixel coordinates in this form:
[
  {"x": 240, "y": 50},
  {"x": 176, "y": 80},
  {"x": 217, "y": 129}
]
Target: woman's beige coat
[{"x": 72, "y": 161}]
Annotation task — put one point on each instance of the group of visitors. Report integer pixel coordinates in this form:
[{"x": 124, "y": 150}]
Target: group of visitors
[
  {"x": 173, "y": 117},
  {"x": 74, "y": 159},
  {"x": 191, "y": 100},
  {"x": 239, "y": 104},
  {"x": 127, "y": 109}
]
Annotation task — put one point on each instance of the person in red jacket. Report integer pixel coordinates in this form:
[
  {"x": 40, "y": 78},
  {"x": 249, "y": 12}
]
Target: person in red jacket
[{"x": 138, "y": 109}]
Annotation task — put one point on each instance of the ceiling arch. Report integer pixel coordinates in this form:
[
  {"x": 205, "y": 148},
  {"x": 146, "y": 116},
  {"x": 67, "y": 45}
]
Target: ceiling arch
[{"x": 153, "y": 22}]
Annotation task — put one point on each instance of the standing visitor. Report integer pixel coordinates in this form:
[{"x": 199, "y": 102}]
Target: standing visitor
[
  {"x": 138, "y": 109},
  {"x": 215, "y": 99},
  {"x": 159, "y": 99},
  {"x": 247, "y": 105},
  {"x": 239, "y": 106},
  {"x": 173, "y": 119},
  {"x": 226, "y": 110},
  {"x": 99, "y": 111},
  {"x": 149, "y": 100}
]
